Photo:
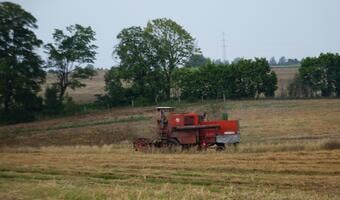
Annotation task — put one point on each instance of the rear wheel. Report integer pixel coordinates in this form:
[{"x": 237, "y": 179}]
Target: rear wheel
[
  {"x": 173, "y": 145},
  {"x": 142, "y": 144},
  {"x": 220, "y": 147},
  {"x": 185, "y": 147}
]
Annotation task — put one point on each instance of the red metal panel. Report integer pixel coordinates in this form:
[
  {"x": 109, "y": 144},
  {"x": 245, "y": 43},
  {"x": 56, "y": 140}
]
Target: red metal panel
[
  {"x": 226, "y": 126},
  {"x": 178, "y": 119},
  {"x": 193, "y": 127},
  {"x": 186, "y": 137},
  {"x": 209, "y": 135},
  {"x": 187, "y": 128}
]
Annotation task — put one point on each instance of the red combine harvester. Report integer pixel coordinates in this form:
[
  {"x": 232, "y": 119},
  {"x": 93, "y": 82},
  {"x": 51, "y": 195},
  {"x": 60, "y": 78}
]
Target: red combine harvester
[{"x": 186, "y": 130}]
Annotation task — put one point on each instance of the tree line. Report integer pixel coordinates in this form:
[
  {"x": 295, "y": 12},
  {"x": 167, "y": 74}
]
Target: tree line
[
  {"x": 318, "y": 76},
  {"x": 157, "y": 63},
  {"x": 245, "y": 79},
  {"x": 22, "y": 71},
  {"x": 283, "y": 61}
]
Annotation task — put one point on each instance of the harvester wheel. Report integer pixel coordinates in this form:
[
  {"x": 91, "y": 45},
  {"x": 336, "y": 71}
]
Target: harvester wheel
[
  {"x": 173, "y": 145},
  {"x": 185, "y": 147},
  {"x": 142, "y": 144},
  {"x": 220, "y": 147}
]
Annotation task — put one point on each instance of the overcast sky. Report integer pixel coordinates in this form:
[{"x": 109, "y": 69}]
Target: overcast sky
[{"x": 253, "y": 28}]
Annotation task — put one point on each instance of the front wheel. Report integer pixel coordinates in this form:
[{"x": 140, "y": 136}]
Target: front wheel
[
  {"x": 142, "y": 144},
  {"x": 173, "y": 145},
  {"x": 220, "y": 147}
]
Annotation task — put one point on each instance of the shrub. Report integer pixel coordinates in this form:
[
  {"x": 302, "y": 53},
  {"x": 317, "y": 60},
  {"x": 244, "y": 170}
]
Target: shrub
[
  {"x": 51, "y": 103},
  {"x": 23, "y": 111},
  {"x": 298, "y": 88},
  {"x": 16, "y": 116},
  {"x": 331, "y": 144},
  {"x": 69, "y": 106},
  {"x": 142, "y": 101}
]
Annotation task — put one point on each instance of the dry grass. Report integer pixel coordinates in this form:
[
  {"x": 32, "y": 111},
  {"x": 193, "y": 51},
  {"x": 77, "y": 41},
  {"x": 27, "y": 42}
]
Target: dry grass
[
  {"x": 289, "y": 150},
  {"x": 94, "y": 86},
  {"x": 285, "y": 76},
  {"x": 113, "y": 172},
  {"x": 331, "y": 144}
]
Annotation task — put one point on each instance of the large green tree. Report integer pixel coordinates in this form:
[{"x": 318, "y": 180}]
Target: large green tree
[
  {"x": 137, "y": 62},
  {"x": 148, "y": 57},
  {"x": 21, "y": 70},
  {"x": 172, "y": 44},
  {"x": 197, "y": 60},
  {"x": 265, "y": 80},
  {"x": 321, "y": 74},
  {"x": 331, "y": 66},
  {"x": 116, "y": 94},
  {"x": 67, "y": 55}
]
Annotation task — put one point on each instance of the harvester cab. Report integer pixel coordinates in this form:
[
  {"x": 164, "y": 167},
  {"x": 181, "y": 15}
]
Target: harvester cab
[{"x": 162, "y": 120}]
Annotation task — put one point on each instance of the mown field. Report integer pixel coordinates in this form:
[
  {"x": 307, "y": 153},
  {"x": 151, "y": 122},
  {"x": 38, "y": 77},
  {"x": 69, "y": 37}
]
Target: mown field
[
  {"x": 289, "y": 149},
  {"x": 285, "y": 76},
  {"x": 94, "y": 86}
]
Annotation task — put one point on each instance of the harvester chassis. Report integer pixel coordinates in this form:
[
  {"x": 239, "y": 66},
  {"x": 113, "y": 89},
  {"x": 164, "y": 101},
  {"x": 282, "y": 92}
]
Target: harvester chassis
[{"x": 186, "y": 130}]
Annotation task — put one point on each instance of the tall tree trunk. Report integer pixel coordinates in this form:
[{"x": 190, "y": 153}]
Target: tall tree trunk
[
  {"x": 168, "y": 84},
  {"x": 8, "y": 95},
  {"x": 156, "y": 99},
  {"x": 6, "y": 103},
  {"x": 168, "y": 87},
  {"x": 61, "y": 94}
]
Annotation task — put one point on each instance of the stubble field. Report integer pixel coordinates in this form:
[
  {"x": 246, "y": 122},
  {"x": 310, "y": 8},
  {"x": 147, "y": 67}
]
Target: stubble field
[{"x": 289, "y": 150}]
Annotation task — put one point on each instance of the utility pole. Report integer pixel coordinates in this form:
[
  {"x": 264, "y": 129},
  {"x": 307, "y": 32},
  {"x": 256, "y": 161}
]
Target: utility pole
[
  {"x": 224, "y": 58},
  {"x": 223, "y": 48}
]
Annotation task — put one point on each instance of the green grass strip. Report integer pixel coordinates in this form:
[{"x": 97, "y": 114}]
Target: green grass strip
[{"x": 85, "y": 124}]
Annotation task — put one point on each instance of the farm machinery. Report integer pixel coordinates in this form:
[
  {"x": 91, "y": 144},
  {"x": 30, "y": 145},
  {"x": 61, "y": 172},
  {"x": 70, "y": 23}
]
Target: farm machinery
[{"x": 186, "y": 130}]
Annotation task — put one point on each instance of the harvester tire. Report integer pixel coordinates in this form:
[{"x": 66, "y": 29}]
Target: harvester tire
[
  {"x": 142, "y": 144},
  {"x": 220, "y": 147},
  {"x": 173, "y": 145}
]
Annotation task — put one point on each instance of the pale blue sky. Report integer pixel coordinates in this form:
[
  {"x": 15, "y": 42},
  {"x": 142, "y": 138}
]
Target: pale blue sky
[{"x": 253, "y": 28}]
